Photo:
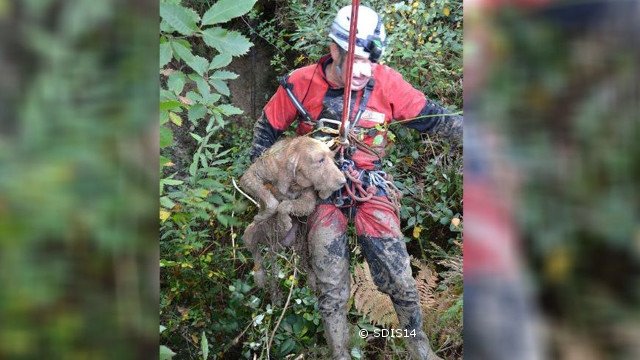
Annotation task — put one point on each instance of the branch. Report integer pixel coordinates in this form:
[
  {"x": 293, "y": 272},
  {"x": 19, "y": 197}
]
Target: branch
[{"x": 286, "y": 305}]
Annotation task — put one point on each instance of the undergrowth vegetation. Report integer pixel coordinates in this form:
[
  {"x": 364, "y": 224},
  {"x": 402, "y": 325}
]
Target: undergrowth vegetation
[{"x": 210, "y": 307}]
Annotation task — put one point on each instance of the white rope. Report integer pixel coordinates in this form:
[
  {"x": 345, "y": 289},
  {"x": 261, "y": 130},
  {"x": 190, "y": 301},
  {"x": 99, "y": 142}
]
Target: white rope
[{"x": 243, "y": 193}]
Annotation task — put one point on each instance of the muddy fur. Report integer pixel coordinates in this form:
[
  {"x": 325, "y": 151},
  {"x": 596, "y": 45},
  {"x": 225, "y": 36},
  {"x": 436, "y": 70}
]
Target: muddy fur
[{"x": 287, "y": 180}]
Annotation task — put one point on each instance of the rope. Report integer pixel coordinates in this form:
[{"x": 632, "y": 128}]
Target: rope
[
  {"x": 377, "y": 179},
  {"x": 353, "y": 26}
]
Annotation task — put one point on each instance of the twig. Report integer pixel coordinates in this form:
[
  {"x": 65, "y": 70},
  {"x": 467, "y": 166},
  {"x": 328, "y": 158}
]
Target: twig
[
  {"x": 243, "y": 193},
  {"x": 237, "y": 338},
  {"x": 233, "y": 234},
  {"x": 293, "y": 264},
  {"x": 431, "y": 144},
  {"x": 286, "y": 305},
  {"x": 267, "y": 347},
  {"x": 423, "y": 117}
]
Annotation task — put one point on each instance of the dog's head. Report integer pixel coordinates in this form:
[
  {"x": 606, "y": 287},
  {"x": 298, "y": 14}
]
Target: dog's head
[{"x": 312, "y": 164}]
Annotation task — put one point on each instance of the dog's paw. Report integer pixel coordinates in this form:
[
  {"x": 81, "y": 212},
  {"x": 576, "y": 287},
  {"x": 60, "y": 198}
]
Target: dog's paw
[
  {"x": 268, "y": 212},
  {"x": 285, "y": 223},
  {"x": 262, "y": 216},
  {"x": 285, "y": 207},
  {"x": 324, "y": 194}
]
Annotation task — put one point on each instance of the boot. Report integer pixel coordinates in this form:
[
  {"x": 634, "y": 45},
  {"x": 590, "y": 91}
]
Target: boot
[
  {"x": 419, "y": 349},
  {"x": 410, "y": 318},
  {"x": 336, "y": 331}
]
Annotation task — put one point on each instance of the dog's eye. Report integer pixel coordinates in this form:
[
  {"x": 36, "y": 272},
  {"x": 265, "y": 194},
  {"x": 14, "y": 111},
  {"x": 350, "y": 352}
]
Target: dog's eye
[{"x": 321, "y": 160}]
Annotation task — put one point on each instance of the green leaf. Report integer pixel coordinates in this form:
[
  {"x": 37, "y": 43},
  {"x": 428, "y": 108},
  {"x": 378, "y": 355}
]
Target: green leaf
[
  {"x": 162, "y": 328},
  {"x": 172, "y": 182},
  {"x": 166, "y": 95},
  {"x": 170, "y": 105},
  {"x": 204, "y": 344},
  {"x": 203, "y": 161},
  {"x": 194, "y": 96},
  {"x": 197, "y": 63},
  {"x": 182, "y": 19},
  {"x": 197, "y": 112},
  {"x": 182, "y": 51},
  {"x": 166, "y": 353},
  {"x": 219, "y": 61},
  {"x": 169, "y": 204},
  {"x": 203, "y": 87},
  {"x": 176, "y": 82},
  {"x": 165, "y": 54},
  {"x": 213, "y": 98},
  {"x": 212, "y": 120},
  {"x": 197, "y": 137},
  {"x": 164, "y": 161},
  {"x": 225, "y": 10},
  {"x": 220, "y": 86},
  {"x": 165, "y": 28},
  {"x": 227, "y": 109},
  {"x": 225, "y": 41},
  {"x": 166, "y": 137},
  {"x": 164, "y": 117},
  {"x": 287, "y": 346},
  {"x": 175, "y": 118},
  {"x": 224, "y": 75}
]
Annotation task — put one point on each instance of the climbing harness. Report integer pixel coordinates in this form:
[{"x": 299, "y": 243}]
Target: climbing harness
[{"x": 366, "y": 185}]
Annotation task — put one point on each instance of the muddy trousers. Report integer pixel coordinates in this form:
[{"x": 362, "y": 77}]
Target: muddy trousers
[{"x": 379, "y": 235}]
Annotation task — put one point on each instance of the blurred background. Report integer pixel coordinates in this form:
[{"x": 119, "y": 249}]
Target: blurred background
[
  {"x": 78, "y": 179},
  {"x": 552, "y": 168}
]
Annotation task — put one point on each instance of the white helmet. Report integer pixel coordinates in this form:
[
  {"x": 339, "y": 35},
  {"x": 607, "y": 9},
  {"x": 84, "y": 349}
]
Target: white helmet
[{"x": 370, "y": 35}]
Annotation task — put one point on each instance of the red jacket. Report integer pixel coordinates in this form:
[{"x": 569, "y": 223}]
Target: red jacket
[{"x": 391, "y": 99}]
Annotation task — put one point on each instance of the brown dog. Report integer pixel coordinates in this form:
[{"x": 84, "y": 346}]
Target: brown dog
[{"x": 285, "y": 180}]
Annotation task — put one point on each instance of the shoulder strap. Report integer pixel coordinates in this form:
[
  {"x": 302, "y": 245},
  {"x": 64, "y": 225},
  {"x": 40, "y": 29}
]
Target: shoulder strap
[
  {"x": 363, "y": 102},
  {"x": 288, "y": 88}
]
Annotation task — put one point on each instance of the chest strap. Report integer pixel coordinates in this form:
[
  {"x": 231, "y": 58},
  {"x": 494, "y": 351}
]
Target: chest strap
[{"x": 363, "y": 102}]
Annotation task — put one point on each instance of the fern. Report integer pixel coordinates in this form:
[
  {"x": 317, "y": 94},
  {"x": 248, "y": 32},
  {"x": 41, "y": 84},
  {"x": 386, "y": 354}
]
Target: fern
[
  {"x": 453, "y": 262},
  {"x": 370, "y": 301},
  {"x": 426, "y": 281},
  {"x": 377, "y": 306}
]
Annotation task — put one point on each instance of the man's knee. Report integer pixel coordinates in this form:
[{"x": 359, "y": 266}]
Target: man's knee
[
  {"x": 330, "y": 260},
  {"x": 390, "y": 268},
  {"x": 334, "y": 300},
  {"x": 401, "y": 290}
]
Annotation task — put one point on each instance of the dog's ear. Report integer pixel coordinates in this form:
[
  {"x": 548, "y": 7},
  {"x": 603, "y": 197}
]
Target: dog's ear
[{"x": 288, "y": 171}]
